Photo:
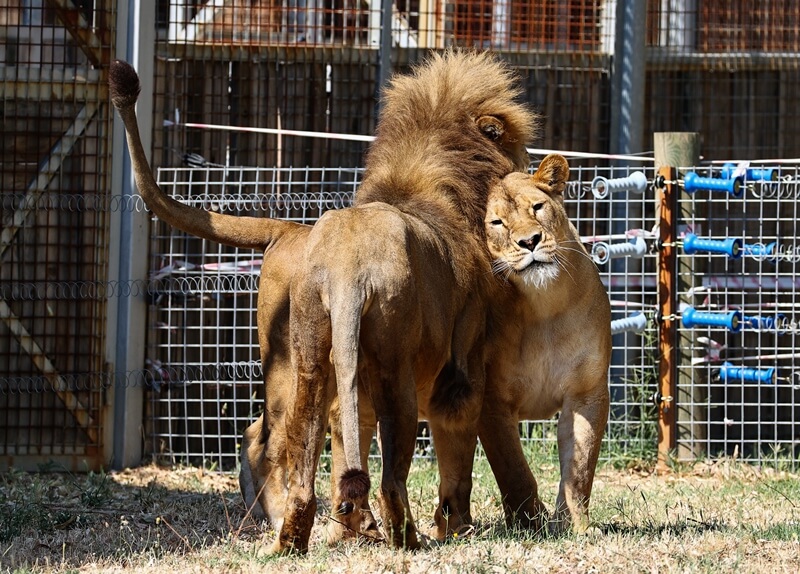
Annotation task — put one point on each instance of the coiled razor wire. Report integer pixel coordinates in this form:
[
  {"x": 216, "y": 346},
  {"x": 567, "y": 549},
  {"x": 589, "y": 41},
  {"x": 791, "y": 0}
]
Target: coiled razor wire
[
  {"x": 272, "y": 203},
  {"x": 73, "y": 290},
  {"x": 324, "y": 200},
  {"x": 159, "y": 375},
  {"x": 156, "y": 376},
  {"x": 786, "y": 187},
  {"x": 56, "y": 383},
  {"x": 79, "y": 203},
  {"x": 237, "y": 283},
  {"x": 780, "y": 252},
  {"x": 185, "y": 285}
]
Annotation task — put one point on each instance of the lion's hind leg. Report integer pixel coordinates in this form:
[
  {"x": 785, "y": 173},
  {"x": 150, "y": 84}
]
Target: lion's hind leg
[
  {"x": 343, "y": 525},
  {"x": 455, "y": 409},
  {"x": 396, "y": 413}
]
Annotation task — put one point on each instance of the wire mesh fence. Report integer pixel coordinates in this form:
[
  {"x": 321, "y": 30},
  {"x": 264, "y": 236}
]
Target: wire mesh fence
[
  {"x": 203, "y": 354},
  {"x": 54, "y": 172},
  {"x": 727, "y": 70},
  {"x": 737, "y": 383},
  {"x": 738, "y": 278}
]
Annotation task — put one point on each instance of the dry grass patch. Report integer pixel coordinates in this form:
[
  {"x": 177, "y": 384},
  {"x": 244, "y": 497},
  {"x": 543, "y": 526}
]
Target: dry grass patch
[{"x": 710, "y": 517}]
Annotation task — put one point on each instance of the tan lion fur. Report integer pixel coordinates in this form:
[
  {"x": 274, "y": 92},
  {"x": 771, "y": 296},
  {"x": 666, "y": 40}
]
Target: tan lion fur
[
  {"x": 391, "y": 293},
  {"x": 548, "y": 350},
  {"x": 548, "y": 346}
]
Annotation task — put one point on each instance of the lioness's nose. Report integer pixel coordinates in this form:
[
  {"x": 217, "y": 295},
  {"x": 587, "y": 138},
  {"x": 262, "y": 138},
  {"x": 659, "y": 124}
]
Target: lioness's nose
[{"x": 531, "y": 242}]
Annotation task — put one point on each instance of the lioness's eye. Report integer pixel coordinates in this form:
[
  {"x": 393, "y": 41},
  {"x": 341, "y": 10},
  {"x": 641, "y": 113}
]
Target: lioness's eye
[
  {"x": 538, "y": 206},
  {"x": 497, "y": 222}
]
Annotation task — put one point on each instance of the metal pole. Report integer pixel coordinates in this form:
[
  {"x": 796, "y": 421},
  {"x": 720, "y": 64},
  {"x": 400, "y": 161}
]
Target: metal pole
[
  {"x": 136, "y": 44},
  {"x": 667, "y": 388},
  {"x": 627, "y": 123},
  {"x": 385, "y": 50},
  {"x": 628, "y": 78}
]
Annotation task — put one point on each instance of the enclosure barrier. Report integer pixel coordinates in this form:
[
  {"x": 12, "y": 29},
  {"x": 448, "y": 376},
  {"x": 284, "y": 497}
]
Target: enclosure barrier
[
  {"x": 631, "y": 227},
  {"x": 736, "y": 311},
  {"x": 719, "y": 396}
]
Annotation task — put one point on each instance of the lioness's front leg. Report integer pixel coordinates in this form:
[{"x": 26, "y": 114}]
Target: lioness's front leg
[
  {"x": 306, "y": 421},
  {"x": 580, "y": 432},
  {"x": 499, "y": 434},
  {"x": 262, "y": 478}
]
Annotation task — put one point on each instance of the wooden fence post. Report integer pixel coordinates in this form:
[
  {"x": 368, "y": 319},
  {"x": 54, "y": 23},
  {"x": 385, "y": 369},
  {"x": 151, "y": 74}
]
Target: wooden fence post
[{"x": 683, "y": 414}]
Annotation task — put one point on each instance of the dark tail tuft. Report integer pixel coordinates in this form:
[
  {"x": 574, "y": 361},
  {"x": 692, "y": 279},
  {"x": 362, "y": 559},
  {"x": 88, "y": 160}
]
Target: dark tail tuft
[
  {"x": 354, "y": 484},
  {"x": 123, "y": 84}
]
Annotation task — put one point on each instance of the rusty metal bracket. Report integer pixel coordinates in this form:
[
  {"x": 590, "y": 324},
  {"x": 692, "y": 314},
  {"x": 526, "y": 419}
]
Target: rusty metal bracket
[{"x": 667, "y": 311}]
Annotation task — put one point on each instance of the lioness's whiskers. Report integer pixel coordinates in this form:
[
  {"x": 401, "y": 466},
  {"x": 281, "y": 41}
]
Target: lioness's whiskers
[
  {"x": 581, "y": 250},
  {"x": 499, "y": 265},
  {"x": 560, "y": 249},
  {"x": 562, "y": 264}
]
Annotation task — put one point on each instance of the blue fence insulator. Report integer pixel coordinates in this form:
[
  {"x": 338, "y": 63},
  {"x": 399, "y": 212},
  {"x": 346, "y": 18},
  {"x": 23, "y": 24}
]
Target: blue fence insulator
[
  {"x": 602, "y": 186},
  {"x": 691, "y": 317},
  {"x": 635, "y": 323},
  {"x": 730, "y": 373},
  {"x": 753, "y": 173},
  {"x": 693, "y": 182},
  {"x": 732, "y": 246},
  {"x": 602, "y": 252}
]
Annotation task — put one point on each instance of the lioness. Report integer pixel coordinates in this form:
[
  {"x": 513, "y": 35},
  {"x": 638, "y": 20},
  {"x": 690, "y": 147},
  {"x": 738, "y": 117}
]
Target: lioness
[
  {"x": 548, "y": 345},
  {"x": 391, "y": 290}
]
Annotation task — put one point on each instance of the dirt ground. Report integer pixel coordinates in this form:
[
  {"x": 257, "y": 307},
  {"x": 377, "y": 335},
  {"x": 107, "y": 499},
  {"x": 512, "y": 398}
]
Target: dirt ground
[{"x": 711, "y": 517}]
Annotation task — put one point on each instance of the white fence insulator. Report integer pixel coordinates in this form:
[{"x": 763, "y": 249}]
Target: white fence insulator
[
  {"x": 601, "y": 186},
  {"x": 602, "y": 252},
  {"x": 635, "y": 323}
]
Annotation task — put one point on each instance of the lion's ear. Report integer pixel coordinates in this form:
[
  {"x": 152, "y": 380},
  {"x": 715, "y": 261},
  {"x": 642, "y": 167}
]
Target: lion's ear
[
  {"x": 553, "y": 172},
  {"x": 491, "y": 126}
]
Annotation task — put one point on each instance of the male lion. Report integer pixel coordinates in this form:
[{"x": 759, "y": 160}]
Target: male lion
[
  {"x": 548, "y": 345},
  {"x": 390, "y": 292}
]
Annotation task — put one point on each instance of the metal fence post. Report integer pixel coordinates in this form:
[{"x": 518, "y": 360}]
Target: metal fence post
[
  {"x": 130, "y": 238},
  {"x": 385, "y": 50},
  {"x": 628, "y": 79}
]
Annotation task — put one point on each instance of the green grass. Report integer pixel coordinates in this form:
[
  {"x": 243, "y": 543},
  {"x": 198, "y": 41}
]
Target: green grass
[{"x": 714, "y": 516}]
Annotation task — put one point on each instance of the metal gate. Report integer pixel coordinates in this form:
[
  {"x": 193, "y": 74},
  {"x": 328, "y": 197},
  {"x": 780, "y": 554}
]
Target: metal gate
[{"x": 54, "y": 247}]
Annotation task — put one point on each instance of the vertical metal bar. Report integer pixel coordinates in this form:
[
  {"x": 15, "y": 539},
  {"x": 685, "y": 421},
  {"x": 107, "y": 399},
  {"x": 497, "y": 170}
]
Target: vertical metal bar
[
  {"x": 385, "y": 59},
  {"x": 667, "y": 332},
  {"x": 138, "y": 48},
  {"x": 628, "y": 78}
]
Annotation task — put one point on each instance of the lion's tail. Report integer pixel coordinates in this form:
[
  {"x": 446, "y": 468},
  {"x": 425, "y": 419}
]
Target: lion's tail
[
  {"x": 346, "y": 311},
  {"x": 243, "y": 232}
]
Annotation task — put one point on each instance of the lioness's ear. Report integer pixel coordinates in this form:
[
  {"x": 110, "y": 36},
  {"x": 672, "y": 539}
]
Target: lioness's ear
[
  {"x": 553, "y": 172},
  {"x": 492, "y": 127}
]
